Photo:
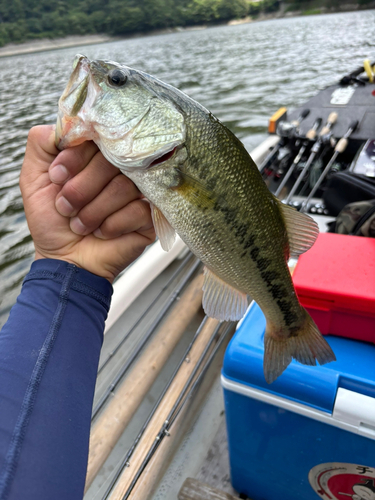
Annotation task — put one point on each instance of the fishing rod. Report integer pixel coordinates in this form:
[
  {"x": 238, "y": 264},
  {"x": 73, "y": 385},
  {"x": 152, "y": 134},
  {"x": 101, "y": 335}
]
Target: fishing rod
[
  {"x": 187, "y": 391},
  {"x": 331, "y": 120},
  {"x": 340, "y": 148},
  {"x": 310, "y": 136},
  {"x": 284, "y": 130},
  {"x": 125, "y": 460},
  {"x": 137, "y": 322},
  {"x": 144, "y": 341}
]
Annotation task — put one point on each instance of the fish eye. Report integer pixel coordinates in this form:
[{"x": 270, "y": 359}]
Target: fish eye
[{"x": 117, "y": 78}]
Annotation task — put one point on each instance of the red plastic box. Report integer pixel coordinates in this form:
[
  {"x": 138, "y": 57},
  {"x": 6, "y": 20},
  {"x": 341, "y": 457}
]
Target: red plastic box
[{"x": 335, "y": 282}]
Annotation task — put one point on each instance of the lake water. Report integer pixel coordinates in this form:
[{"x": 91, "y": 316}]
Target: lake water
[{"x": 243, "y": 74}]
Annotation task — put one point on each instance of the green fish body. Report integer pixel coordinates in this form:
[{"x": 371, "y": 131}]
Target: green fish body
[{"x": 202, "y": 184}]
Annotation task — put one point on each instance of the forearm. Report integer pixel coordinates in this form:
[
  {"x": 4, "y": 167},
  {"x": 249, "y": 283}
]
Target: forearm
[{"x": 49, "y": 352}]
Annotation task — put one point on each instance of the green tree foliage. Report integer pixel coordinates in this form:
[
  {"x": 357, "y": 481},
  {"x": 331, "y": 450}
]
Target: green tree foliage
[
  {"x": 27, "y": 19},
  {"x": 22, "y": 20}
]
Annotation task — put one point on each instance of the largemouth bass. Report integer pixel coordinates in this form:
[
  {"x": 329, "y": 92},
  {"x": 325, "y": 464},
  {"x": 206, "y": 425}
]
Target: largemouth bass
[{"x": 202, "y": 184}]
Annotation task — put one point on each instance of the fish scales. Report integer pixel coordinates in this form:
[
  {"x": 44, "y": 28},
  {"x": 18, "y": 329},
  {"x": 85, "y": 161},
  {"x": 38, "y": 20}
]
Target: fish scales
[
  {"x": 256, "y": 262},
  {"x": 202, "y": 184}
]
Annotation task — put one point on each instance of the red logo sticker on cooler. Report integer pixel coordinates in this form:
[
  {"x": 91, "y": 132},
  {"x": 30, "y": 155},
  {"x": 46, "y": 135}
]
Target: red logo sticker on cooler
[{"x": 336, "y": 481}]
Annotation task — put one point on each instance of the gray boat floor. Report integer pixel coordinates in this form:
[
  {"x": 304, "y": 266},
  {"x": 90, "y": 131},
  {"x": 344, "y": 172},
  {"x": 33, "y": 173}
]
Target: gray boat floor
[{"x": 215, "y": 467}]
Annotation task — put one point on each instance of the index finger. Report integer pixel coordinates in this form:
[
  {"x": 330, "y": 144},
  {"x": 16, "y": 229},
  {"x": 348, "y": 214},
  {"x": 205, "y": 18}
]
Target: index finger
[{"x": 72, "y": 161}]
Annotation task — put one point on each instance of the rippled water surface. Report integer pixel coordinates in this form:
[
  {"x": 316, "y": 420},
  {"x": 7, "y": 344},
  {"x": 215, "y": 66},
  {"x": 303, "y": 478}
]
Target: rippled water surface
[{"x": 243, "y": 74}]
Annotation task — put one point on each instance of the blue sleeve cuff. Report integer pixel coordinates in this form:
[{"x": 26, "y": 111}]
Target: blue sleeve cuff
[{"x": 85, "y": 282}]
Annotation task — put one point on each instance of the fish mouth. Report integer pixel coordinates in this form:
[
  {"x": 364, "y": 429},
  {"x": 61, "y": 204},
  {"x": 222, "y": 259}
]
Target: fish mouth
[{"x": 71, "y": 129}]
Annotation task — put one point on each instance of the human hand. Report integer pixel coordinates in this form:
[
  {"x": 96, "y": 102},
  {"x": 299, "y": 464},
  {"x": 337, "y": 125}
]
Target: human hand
[{"x": 85, "y": 212}]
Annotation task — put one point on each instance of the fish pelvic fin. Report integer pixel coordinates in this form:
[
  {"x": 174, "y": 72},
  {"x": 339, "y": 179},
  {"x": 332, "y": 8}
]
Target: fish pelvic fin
[
  {"x": 220, "y": 300},
  {"x": 307, "y": 346},
  {"x": 164, "y": 231}
]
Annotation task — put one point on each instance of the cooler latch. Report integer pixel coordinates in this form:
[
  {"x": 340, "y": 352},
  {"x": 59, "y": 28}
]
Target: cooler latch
[{"x": 356, "y": 410}]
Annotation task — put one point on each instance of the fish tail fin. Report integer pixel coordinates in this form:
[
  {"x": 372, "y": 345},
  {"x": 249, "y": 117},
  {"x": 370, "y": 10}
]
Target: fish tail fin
[{"x": 307, "y": 346}]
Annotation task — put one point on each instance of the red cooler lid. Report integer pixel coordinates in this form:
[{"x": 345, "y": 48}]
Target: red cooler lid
[{"x": 339, "y": 269}]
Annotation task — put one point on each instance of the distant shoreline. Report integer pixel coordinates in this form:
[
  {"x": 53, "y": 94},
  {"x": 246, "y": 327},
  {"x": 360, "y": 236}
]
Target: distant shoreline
[
  {"x": 33, "y": 46},
  {"x": 47, "y": 44}
]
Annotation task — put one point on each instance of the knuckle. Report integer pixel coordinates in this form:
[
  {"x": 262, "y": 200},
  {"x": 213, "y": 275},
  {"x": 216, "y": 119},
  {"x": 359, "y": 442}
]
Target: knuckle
[
  {"x": 109, "y": 229},
  {"x": 72, "y": 157},
  {"x": 140, "y": 210},
  {"x": 118, "y": 186},
  {"x": 89, "y": 219},
  {"x": 103, "y": 164},
  {"x": 72, "y": 191},
  {"x": 122, "y": 182}
]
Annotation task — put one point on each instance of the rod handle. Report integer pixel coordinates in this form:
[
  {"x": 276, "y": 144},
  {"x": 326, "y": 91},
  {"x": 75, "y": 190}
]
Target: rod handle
[
  {"x": 332, "y": 118},
  {"x": 311, "y": 134},
  {"x": 325, "y": 130},
  {"x": 341, "y": 145}
]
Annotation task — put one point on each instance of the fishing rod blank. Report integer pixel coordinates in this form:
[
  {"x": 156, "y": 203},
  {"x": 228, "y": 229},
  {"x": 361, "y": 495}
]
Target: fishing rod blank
[
  {"x": 284, "y": 129},
  {"x": 310, "y": 136},
  {"x": 125, "y": 460},
  {"x": 133, "y": 327},
  {"x": 144, "y": 341},
  {"x": 340, "y": 148},
  {"x": 314, "y": 150},
  {"x": 175, "y": 410}
]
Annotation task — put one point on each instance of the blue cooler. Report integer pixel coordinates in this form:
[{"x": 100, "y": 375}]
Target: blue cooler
[{"x": 309, "y": 434}]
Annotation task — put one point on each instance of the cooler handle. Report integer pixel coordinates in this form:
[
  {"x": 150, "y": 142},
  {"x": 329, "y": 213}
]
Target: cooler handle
[{"x": 355, "y": 409}]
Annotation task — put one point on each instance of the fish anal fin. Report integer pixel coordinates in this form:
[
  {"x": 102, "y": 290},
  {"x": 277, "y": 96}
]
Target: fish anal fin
[
  {"x": 163, "y": 229},
  {"x": 302, "y": 230},
  {"x": 307, "y": 346},
  {"x": 220, "y": 300}
]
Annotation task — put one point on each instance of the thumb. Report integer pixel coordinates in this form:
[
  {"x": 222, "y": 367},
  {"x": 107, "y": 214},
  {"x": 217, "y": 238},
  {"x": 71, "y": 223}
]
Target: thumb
[{"x": 40, "y": 152}]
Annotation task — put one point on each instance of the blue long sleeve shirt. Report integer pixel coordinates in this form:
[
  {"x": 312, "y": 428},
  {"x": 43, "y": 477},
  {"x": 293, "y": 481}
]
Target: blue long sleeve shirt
[{"x": 49, "y": 353}]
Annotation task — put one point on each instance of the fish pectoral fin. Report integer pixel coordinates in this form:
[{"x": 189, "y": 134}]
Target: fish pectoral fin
[
  {"x": 302, "y": 230},
  {"x": 220, "y": 300},
  {"x": 195, "y": 192},
  {"x": 164, "y": 231}
]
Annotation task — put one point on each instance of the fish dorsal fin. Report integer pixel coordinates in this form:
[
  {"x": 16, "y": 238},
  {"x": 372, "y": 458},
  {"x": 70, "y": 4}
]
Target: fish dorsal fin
[
  {"x": 164, "y": 231},
  {"x": 220, "y": 300},
  {"x": 302, "y": 230}
]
